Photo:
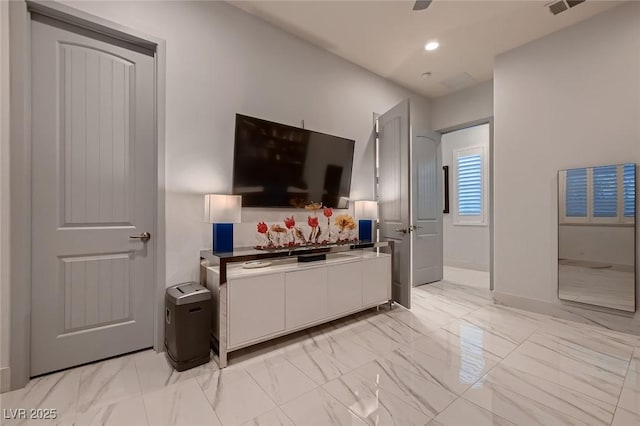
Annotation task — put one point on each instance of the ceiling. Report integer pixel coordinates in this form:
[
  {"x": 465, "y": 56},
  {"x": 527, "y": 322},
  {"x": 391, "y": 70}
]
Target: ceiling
[{"x": 388, "y": 38}]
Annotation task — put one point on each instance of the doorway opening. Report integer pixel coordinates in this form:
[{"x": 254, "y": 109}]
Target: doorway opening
[
  {"x": 408, "y": 191},
  {"x": 466, "y": 160}
]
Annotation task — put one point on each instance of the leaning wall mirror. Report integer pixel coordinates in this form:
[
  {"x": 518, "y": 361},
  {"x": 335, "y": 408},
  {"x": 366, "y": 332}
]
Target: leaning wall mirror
[{"x": 596, "y": 236}]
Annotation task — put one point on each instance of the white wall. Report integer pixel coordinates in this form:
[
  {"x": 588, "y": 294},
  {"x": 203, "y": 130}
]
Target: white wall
[
  {"x": 570, "y": 99},
  {"x": 464, "y": 246},
  {"x": 597, "y": 243},
  {"x": 220, "y": 61},
  {"x": 464, "y": 106},
  {"x": 4, "y": 195}
]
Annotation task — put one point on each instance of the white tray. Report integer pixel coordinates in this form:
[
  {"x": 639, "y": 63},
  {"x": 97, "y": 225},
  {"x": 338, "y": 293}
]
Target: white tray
[{"x": 253, "y": 264}]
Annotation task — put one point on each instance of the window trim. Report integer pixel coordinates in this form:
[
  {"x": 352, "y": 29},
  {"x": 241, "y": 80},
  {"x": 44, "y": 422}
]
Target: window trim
[{"x": 466, "y": 220}]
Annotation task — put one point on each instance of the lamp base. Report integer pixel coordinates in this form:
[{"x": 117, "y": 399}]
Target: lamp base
[
  {"x": 364, "y": 230},
  {"x": 222, "y": 237}
]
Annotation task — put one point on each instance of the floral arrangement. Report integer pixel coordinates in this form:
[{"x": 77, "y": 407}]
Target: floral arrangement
[
  {"x": 345, "y": 224},
  {"x": 290, "y": 235},
  {"x": 328, "y": 212},
  {"x": 315, "y": 229}
]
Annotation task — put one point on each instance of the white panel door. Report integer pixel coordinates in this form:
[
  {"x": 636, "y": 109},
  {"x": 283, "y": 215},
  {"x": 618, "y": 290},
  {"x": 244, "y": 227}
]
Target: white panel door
[
  {"x": 426, "y": 189},
  {"x": 93, "y": 180},
  {"x": 394, "y": 195}
]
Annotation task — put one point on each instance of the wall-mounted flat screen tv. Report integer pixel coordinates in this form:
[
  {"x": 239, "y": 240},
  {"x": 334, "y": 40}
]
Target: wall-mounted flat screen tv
[{"x": 276, "y": 165}]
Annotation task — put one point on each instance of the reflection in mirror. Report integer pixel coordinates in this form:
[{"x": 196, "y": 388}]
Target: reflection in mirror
[{"x": 596, "y": 236}]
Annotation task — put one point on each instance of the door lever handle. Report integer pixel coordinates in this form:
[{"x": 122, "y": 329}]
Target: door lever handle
[
  {"x": 144, "y": 237},
  {"x": 403, "y": 230}
]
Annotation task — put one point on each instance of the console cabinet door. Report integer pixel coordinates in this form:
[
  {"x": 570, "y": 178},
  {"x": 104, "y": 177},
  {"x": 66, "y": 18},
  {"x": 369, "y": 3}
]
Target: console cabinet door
[
  {"x": 256, "y": 307},
  {"x": 376, "y": 280},
  {"x": 344, "y": 283},
  {"x": 306, "y": 296}
]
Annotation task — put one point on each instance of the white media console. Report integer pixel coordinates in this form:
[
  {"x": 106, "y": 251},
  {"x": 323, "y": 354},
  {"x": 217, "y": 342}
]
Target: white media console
[{"x": 254, "y": 305}]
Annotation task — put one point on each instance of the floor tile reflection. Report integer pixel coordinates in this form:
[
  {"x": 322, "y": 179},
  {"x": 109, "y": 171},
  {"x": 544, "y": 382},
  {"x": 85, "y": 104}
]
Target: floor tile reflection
[{"x": 373, "y": 403}]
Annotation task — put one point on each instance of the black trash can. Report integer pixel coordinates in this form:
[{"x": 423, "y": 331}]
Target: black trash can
[{"x": 187, "y": 322}]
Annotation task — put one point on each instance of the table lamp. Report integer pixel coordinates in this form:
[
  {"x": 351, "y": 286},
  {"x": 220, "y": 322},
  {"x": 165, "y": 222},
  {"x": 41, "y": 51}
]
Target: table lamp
[{"x": 222, "y": 211}]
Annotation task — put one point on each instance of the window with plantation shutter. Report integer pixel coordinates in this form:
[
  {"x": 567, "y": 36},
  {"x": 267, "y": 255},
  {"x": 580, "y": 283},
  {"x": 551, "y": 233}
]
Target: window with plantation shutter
[
  {"x": 605, "y": 191},
  {"x": 629, "y": 190},
  {"x": 469, "y": 186},
  {"x": 598, "y": 195},
  {"x": 576, "y": 193}
]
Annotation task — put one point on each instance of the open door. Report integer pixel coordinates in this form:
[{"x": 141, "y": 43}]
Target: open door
[
  {"x": 394, "y": 196},
  {"x": 426, "y": 207}
]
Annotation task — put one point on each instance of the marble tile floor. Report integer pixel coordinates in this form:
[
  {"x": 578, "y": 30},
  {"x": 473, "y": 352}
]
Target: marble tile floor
[
  {"x": 454, "y": 359},
  {"x": 612, "y": 286}
]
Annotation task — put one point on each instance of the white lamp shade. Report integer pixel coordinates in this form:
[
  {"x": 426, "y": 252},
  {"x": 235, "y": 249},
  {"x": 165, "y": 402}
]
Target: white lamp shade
[
  {"x": 222, "y": 208},
  {"x": 366, "y": 210}
]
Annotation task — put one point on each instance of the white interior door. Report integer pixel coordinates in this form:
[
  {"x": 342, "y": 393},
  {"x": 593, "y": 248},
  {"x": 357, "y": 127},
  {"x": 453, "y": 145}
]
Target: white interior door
[
  {"x": 426, "y": 206},
  {"x": 93, "y": 186},
  {"x": 394, "y": 195}
]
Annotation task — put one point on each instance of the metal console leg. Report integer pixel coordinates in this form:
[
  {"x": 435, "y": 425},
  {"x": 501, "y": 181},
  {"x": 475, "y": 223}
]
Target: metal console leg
[
  {"x": 222, "y": 359},
  {"x": 222, "y": 332}
]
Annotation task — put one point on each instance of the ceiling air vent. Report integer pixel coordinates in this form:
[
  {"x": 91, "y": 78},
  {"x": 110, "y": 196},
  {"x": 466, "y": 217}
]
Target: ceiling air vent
[
  {"x": 574, "y": 3},
  {"x": 558, "y": 7},
  {"x": 562, "y": 5}
]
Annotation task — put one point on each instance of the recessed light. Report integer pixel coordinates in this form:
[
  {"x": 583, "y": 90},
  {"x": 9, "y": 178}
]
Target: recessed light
[
  {"x": 426, "y": 74},
  {"x": 432, "y": 45}
]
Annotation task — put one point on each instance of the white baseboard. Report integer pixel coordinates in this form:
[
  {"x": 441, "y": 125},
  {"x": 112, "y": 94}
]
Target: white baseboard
[
  {"x": 622, "y": 322},
  {"x": 466, "y": 265},
  {"x": 5, "y": 376}
]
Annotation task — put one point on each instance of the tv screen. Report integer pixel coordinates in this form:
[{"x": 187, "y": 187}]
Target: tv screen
[{"x": 276, "y": 165}]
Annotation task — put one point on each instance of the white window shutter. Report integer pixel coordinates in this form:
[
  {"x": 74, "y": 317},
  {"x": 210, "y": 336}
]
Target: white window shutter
[
  {"x": 576, "y": 199},
  {"x": 629, "y": 190},
  {"x": 603, "y": 195},
  {"x": 469, "y": 185},
  {"x": 605, "y": 191}
]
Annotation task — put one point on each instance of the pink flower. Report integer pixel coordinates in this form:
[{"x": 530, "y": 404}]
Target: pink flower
[
  {"x": 289, "y": 222},
  {"x": 313, "y": 222},
  {"x": 327, "y": 212},
  {"x": 262, "y": 227}
]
